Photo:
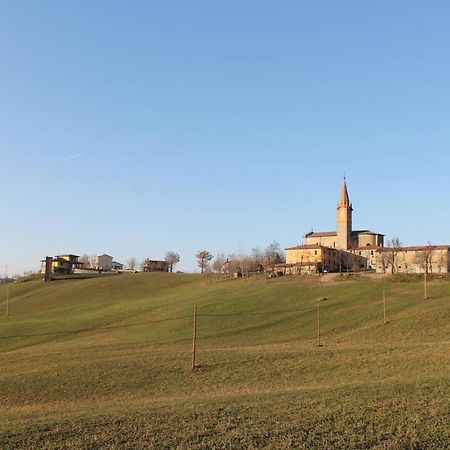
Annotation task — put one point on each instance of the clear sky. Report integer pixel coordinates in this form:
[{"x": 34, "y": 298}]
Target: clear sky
[{"x": 137, "y": 127}]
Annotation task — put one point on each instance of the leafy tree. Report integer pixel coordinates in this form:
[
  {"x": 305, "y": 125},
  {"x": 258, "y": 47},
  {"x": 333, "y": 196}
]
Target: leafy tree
[{"x": 203, "y": 258}]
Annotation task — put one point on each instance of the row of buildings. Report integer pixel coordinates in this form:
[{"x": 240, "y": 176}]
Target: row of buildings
[
  {"x": 353, "y": 250},
  {"x": 71, "y": 264},
  {"x": 343, "y": 250}
]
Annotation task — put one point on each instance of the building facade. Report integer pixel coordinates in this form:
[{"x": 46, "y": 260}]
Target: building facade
[
  {"x": 430, "y": 259},
  {"x": 344, "y": 238},
  {"x": 151, "y": 265},
  {"x": 352, "y": 250},
  {"x": 307, "y": 257},
  {"x": 61, "y": 264},
  {"x": 116, "y": 266},
  {"x": 103, "y": 262},
  {"x": 333, "y": 251}
]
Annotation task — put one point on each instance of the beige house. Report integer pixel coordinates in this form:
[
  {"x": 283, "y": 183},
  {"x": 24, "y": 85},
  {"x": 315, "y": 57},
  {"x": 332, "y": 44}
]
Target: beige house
[
  {"x": 307, "y": 256},
  {"x": 431, "y": 259},
  {"x": 104, "y": 262}
]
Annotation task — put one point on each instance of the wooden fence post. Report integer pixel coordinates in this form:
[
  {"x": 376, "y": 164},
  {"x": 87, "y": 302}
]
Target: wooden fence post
[
  {"x": 425, "y": 285},
  {"x": 322, "y": 299},
  {"x": 7, "y": 299},
  {"x": 318, "y": 323},
  {"x": 194, "y": 338}
]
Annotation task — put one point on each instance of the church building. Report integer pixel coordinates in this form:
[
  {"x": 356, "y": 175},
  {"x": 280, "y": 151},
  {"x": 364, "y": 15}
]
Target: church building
[
  {"x": 343, "y": 249},
  {"x": 345, "y": 238},
  {"x": 353, "y": 250}
]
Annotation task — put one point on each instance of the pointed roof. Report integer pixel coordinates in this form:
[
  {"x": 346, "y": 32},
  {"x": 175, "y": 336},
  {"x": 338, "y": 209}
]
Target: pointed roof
[{"x": 344, "y": 200}]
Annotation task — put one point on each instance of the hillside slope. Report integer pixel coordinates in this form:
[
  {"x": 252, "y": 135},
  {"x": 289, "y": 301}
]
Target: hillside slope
[{"x": 107, "y": 362}]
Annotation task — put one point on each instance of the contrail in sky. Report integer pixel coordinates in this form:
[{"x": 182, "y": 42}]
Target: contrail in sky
[{"x": 78, "y": 155}]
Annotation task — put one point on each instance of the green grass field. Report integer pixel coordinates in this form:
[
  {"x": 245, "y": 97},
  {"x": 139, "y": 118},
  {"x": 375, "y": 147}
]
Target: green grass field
[{"x": 106, "y": 363}]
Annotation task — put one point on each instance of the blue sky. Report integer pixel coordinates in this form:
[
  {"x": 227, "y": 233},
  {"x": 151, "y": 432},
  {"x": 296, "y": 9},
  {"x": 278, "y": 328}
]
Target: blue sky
[{"x": 135, "y": 127}]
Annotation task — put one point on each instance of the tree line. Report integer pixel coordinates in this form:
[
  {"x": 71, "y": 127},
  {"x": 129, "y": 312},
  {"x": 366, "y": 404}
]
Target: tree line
[{"x": 241, "y": 262}]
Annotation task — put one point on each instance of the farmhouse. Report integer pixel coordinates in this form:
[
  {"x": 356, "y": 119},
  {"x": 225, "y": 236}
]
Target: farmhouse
[{"x": 150, "y": 265}]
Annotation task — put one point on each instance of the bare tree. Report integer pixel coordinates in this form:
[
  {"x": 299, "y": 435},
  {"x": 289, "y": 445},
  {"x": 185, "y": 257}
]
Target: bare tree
[
  {"x": 273, "y": 255},
  {"x": 355, "y": 263},
  {"x": 172, "y": 259},
  {"x": 442, "y": 262},
  {"x": 424, "y": 259},
  {"x": 257, "y": 260},
  {"x": 232, "y": 264},
  {"x": 132, "y": 263},
  {"x": 203, "y": 258},
  {"x": 393, "y": 247},
  {"x": 92, "y": 261},
  {"x": 244, "y": 263},
  {"x": 86, "y": 261},
  {"x": 218, "y": 263}
]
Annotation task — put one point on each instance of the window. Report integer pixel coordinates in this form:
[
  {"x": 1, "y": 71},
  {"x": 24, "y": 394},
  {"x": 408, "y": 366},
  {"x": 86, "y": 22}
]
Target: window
[{"x": 315, "y": 252}]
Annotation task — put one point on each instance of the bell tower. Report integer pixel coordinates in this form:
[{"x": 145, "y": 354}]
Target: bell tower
[{"x": 344, "y": 220}]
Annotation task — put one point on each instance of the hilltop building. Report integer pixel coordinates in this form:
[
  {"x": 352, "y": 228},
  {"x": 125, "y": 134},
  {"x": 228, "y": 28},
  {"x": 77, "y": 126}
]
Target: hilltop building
[
  {"x": 61, "y": 264},
  {"x": 116, "y": 265},
  {"x": 333, "y": 251},
  {"x": 103, "y": 262},
  {"x": 432, "y": 259},
  {"x": 106, "y": 263},
  {"x": 151, "y": 265},
  {"x": 352, "y": 250},
  {"x": 345, "y": 238}
]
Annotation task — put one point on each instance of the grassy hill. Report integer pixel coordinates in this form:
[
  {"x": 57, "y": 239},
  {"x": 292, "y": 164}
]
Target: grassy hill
[{"x": 106, "y": 363}]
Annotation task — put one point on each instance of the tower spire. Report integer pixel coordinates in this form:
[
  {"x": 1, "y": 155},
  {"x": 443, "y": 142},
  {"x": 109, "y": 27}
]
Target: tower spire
[
  {"x": 344, "y": 219},
  {"x": 344, "y": 200}
]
